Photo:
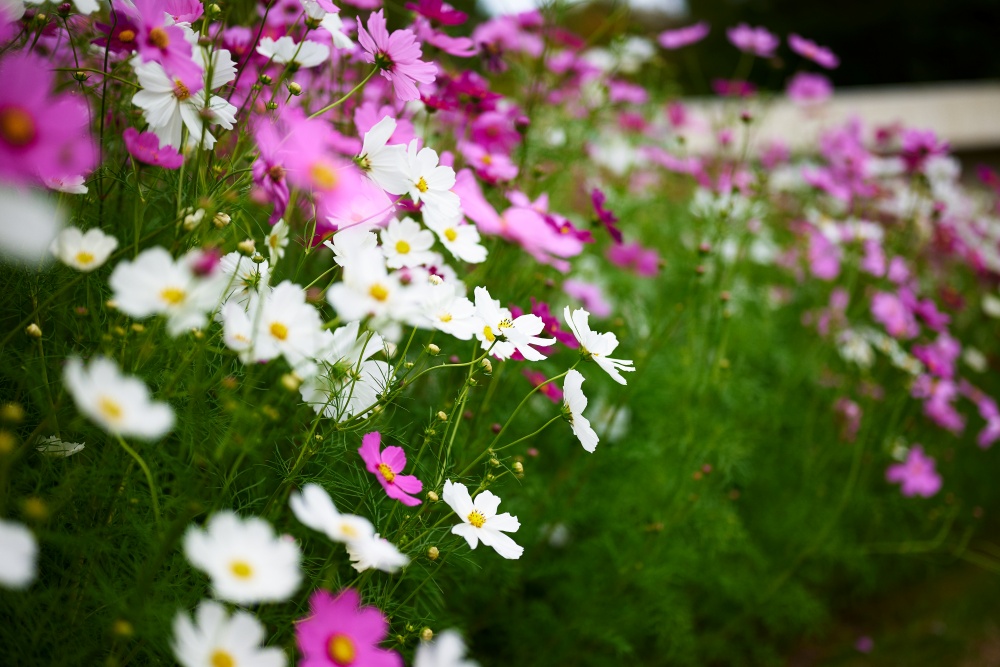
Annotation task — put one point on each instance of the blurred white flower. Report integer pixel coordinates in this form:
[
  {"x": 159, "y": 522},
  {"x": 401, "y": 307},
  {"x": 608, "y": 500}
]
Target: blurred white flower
[
  {"x": 18, "y": 555},
  {"x": 375, "y": 553},
  {"x": 120, "y": 404},
  {"x": 216, "y": 639},
  {"x": 315, "y": 509},
  {"x": 285, "y": 50},
  {"x": 30, "y": 223},
  {"x": 83, "y": 251},
  {"x": 446, "y": 650}
]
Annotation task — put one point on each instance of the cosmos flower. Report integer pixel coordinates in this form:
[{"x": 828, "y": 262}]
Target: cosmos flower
[
  {"x": 757, "y": 41},
  {"x": 18, "y": 555},
  {"x": 215, "y": 638},
  {"x": 446, "y": 650},
  {"x": 574, "y": 403},
  {"x": 808, "y": 49},
  {"x": 504, "y": 334},
  {"x": 681, "y": 37},
  {"x": 916, "y": 474},
  {"x": 597, "y": 346},
  {"x": 145, "y": 147},
  {"x": 480, "y": 521},
  {"x": 339, "y": 632},
  {"x": 397, "y": 56},
  {"x": 83, "y": 251},
  {"x": 387, "y": 466},
  {"x": 315, "y": 509}
]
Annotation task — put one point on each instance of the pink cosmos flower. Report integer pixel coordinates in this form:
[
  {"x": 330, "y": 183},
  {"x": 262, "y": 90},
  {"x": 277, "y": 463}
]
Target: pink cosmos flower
[
  {"x": 757, "y": 41},
  {"x": 605, "y": 216},
  {"x": 438, "y": 11},
  {"x": 918, "y": 145},
  {"x": 675, "y": 39},
  {"x": 818, "y": 54},
  {"x": 551, "y": 391},
  {"x": 897, "y": 319},
  {"x": 824, "y": 256},
  {"x": 807, "y": 89},
  {"x": 42, "y": 136},
  {"x": 590, "y": 294},
  {"x": 387, "y": 466},
  {"x": 916, "y": 474},
  {"x": 396, "y": 55},
  {"x": 145, "y": 147},
  {"x": 733, "y": 88},
  {"x": 939, "y": 356},
  {"x": 165, "y": 44},
  {"x": 339, "y": 632},
  {"x": 640, "y": 260}
]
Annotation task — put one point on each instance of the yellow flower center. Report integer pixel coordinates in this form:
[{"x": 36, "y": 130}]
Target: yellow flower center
[
  {"x": 445, "y": 318},
  {"x": 323, "y": 176},
  {"x": 422, "y": 185},
  {"x": 17, "y": 127},
  {"x": 172, "y": 295},
  {"x": 222, "y": 659},
  {"x": 110, "y": 409},
  {"x": 241, "y": 569},
  {"x": 487, "y": 160},
  {"x": 489, "y": 333},
  {"x": 477, "y": 518},
  {"x": 386, "y": 472},
  {"x": 402, "y": 247},
  {"x": 505, "y": 324},
  {"x": 378, "y": 292},
  {"x": 279, "y": 331},
  {"x": 159, "y": 38},
  {"x": 341, "y": 650},
  {"x": 181, "y": 92},
  {"x": 126, "y": 36},
  {"x": 84, "y": 257},
  {"x": 450, "y": 234},
  {"x": 348, "y": 529}
]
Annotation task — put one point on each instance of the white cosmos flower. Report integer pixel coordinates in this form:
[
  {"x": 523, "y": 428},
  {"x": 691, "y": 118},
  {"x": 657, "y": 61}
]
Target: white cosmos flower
[
  {"x": 38, "y": 223},
  {"x": 446, "y": 650},
  {"x": 18, "y": 555},
  {"x": 277, "y": 240},
  {"x": 154, "y": 284},
  {"x": 83, "y": 251},
  {"x": 217, "y": 639},
  {"x": 376, "y": 553},
  {"x": 335, "y": 26},
  {"x": 369, "y": 290},
  {"x": 168, "y": 105},
  {"x": 53, "y": 446},
  {"x": 120, "y": 404},
  {"x": 480, "y": 520},
  {"x": 315, "y": 509},
  {"x": 285, "y": 50},
  {"x": 447, "y": 310},
  {"x": 597, "y": 346},
  {"x": 430, "y": 183},
  {"x": 386, "y": 165},
  {"x": 248, "y": 281},
  {"x": 351, "y": 242},
  {"x": 461, "y": 240},
  {"x": 574, "y": 403},
  {"x": 71, "y": 185},
  {"x": 406, "y": 243},
  {"x": 286, "y": 325},
  {"x": 246, "y": 561},
  {"x": 503, "y": 335}
]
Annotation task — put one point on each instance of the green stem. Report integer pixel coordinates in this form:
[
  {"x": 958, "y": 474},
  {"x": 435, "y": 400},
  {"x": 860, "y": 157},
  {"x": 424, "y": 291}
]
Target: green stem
[
  {"x": 149, "y": 477},
  {"x": 347, "y": 96}
]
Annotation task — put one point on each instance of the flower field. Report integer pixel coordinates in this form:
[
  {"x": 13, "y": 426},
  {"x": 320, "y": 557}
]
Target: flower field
[{"x": 381, "y": 334}]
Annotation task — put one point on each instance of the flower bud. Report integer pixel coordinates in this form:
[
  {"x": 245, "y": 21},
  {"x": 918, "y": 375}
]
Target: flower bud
[
  {"x": 494, "y": 462},
  {"x": 433, "y": 349},
  {"x": 433, "y": 553},
  {"x": 725, "y": 296},
  {"x": 12, "y": 413},
  {"x": 36, "y": 509},
  {"x": 246, "y": 247},
  {"x": 435, "y": 279},
  {"x": 294, "y": 88},
  {"x": 193, "y": 219},
  {"x": 271, "y": 106},
  {"x": 291, "y": 381},
  {"x": 257, "y": 258},
  {"x": 266, "y": 80},
  {"x": 312, "y": 23},
  {"x": 122, "y": 628},
  {"x": 33, "y": 330},
  {"x": 487, "y": 366},
  {"x": 7, "y": 442},
  {"x": 81, "y": 76},
  {"x": 432, "y": 496},
  {"x": 64, "y": 9},
  {"x": 442, "y": 415},
  {"x": 138, "y": 328},
  {"x": 427, "y": 634},
  {"x": 214, "y": 10},
  {"x": 111, "y": 304},
  {"x": 746, "y": 116},
  {"x": 221, "y": 220},
  {"x": 518, "y": 468}
]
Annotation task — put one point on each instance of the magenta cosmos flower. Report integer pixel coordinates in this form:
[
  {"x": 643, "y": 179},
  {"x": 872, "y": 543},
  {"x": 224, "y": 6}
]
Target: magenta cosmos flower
[
  {"x": 339, "y": 632},
  {"x": 157, "y": 41},
  {"x": 916, "y": 474},
  {"x": 387, "y": 466},
  {"x": 145, "y": 147},
  {"x": 42, "y": 136},
  {"x": 675, "y": 39},
  {"x": 757, "y": 41},
  {"x": 818, "y": 54},
  {"x": 396, "y": 55}
]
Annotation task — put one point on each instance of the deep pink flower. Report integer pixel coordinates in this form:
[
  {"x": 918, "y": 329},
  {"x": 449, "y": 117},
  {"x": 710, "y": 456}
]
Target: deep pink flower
[
  {"x": 918, "y": 145},
  {"x": 551, "y": 391},
  {"x": 42, "y": 136},
  {"x": 122, "y": 35},
  {"x": 733, "y": 88},
  {"x": 396, "y": 55},
  {"x": 165, "y": 44},
  {"x": 873, "y": 261},
  {"x": 339, "y": 632},
  {"x": 145, "y": 147},
  {"x": 675, "y": 39},
  {"x": 387, "y": 466},
  {"x": 438, "y": 11},
  {"x": 917, "y": 474},
  {"x": 640, "y": 260},
  {"x": 892, "y": 313},
  {"x": 848, "y": 414},
  {"x": 808, "y": 49},
  {"x": 757, "y": 41},
  {"x": 605, "y": 216},
  {"x": 940, "y": 356},
  {"x": 491, "y": 166},
  {"x": 807, "y": 89},
  {"x": 824, "y": 256}
]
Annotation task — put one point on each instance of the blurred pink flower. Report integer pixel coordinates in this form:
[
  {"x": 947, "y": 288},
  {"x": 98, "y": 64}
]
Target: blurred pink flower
[
  {"x": 917, "y": 474},
  {"x": 145, "y": 147},
  {"x": 807, "y": 89},
  {"x": 757, "y": 41},
  {"x": 675, "y": 39},
  {"x": 338, "y": 631},
  {"x": 818, "y": 54}
]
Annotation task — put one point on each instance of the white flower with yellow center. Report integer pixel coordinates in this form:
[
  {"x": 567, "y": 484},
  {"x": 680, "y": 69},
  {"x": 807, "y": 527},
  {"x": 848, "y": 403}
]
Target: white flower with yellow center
[
  {"x": 302, "y": 55},
  {"x": 502, "y": 335},
  {"x": 120, "y": 404},
  {"x": 83, "y": 251},
  {"x": 314, "y": 508},
  {"x": 405, "y": 243},
  {"x": 446, "y": 309},
  {"x": 480, "y": 521},
  {"x": 216, "y": 639},
  {"x": 154, "y": 284},
  {"x": 38, "y": 223},
  {"x": 18, "y": 555},
  {"x": 597, "y": 346},
  {"x": 385, "y": 165},
  {"x": 369, "y": 290},
  {"x": 277, "y": 240},
  {"x": 574, "y": 403},
  {"x": 351, "y": 242},
  {"x": 246, "y": 561},
  {"x": 285, "y": 326},
  {"x": 446, "y": 650},
  {"x": 430, "y": 183},
  {"x": 462, "y": 240}
]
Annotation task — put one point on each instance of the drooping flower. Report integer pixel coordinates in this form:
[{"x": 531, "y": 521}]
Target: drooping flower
[
  {"x": 246, "y": 561},
  {"x": 818, "y": 54},
  {"x": 314, "y": 508},
  {"x": 597, "y": 346},
  {"x": 83, "y": 252},
  {"x": 681, "y": 37},
  {"x": 120, "y": 404},
  {"x": 145, "y": 147},
  {"x": 277, "y": 240},
  {"x": 387, "y": 466},
  {"x": 757, "y": 41},
  {"x": 339, "y": 632},
  {"x": 18, "y": 555},
  {"x": 376, "y": 553},
  {"x": 217, "y": 639},
  {"x": 446, "y": 650},
  {"x": 574, "y": 403},
  {"x": 397, "y": 56},
  {"x": 480, "y": 520},
  {"x": 917, "y": 474}
]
